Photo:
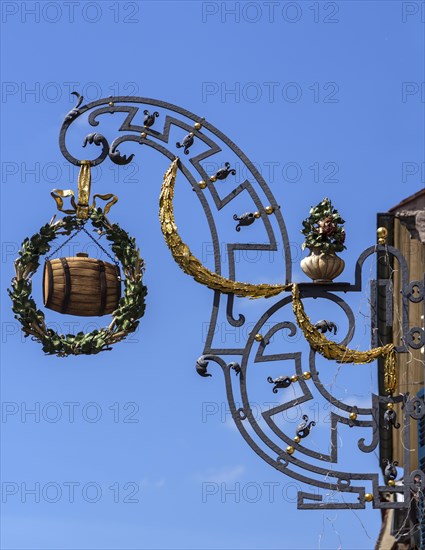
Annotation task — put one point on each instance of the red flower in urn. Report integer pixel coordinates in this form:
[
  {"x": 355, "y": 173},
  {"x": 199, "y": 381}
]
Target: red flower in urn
[
  {"x": 324, "y": 236},
  {"x": 327, "y": 226},
  {"x": 323, "y": 229}
]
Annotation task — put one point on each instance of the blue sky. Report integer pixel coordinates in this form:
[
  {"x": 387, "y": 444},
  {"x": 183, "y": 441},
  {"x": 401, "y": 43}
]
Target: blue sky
[{"x": 130, "y": 448}]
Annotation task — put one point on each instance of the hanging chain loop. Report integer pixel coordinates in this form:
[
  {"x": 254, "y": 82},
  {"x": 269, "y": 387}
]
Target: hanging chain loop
[
  {"x": 66, "y": 241},
  {"x": 96, "y": 242},
  {"x": 114, "y": 260}
]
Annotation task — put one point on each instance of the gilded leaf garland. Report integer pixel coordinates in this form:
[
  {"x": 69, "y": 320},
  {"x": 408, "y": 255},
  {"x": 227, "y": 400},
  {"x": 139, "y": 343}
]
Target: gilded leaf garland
[
  {"x": 189, "y": 263},
  {"x": 332, "y": 350}
]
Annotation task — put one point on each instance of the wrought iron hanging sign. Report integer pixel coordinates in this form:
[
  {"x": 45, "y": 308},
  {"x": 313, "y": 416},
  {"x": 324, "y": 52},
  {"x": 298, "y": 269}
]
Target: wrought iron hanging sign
[
  {"x": 80, "y": 285},
  {"x": 286, "y": 449}
]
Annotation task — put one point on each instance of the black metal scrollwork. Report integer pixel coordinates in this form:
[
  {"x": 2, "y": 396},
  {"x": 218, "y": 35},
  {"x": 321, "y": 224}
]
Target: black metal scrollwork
[
  {"x": 149, "y": 119},
  {"x": 201, "y": 367},
  {"x": 235, "y": 366},
  {"x": 271, "y": 444},
  {"x": 73, "y": 113},
  {"x": 390, "y": 419},
  {"x": 326, "y": 326},
  {"x": 245, "y": 219},
  {"x": 186, "y": 143},
  {"x": 415, "y": 291},
  {"x": 280, "y": 382},
  {"x": 390, "y": 472},
  {"x": 223, "y": 173},
  {"x": 304, "y": 428},
  {"x": 416, "y": 408}
]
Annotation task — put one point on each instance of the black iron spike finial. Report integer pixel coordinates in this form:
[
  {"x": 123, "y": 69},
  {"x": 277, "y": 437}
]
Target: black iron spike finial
[
  {"x": 390, "y": 417},
  {"x": 235, "y": 366},
  {"x": 76, "y": 109},
  {"x": 245, "y": 219},
  {"x": 326, "y": 326},
  {"x": 223, "y": 173},
  {"x": 280, "y": 382},
  {"x": 96, "y": 138},
  {"x": 390, "y": 471},
  {"x": 304, "y": 427},
  {"x": 119, "y": 159},
  {"x": 186, "y": 143},
  {"x": 201, "y": 367},
  {"x": 149, "y": 119}
]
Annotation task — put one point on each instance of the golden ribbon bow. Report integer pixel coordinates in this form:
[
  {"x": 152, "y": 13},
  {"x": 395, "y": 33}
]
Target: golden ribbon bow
[{"x": 82, "y": 208}]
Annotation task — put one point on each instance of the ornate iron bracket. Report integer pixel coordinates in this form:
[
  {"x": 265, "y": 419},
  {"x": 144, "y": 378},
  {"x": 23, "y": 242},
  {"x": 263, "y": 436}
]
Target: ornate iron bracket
[{"x": 159, "y": 128}]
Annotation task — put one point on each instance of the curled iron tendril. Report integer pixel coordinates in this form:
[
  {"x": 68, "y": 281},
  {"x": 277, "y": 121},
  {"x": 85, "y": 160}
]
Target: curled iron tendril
[
  {"x": 235, "y": 366},
  {"x": 390, "y": 419},
  {"x": 149, "y": 119},
  {"x": 186, "y": 143},
  {"x": 304, "y": 428},
  {"x": 280, "y": 382},
  {"x": 244, "y": 220},
  {"x": 116, "y": 157},
  {"x": 326, "y": 326},
  {"x": 201, "y": 367},
  {"x": 390, "y": 472},
  {"x": 223, "y": 172},
  {"x": 75, "y": 110}
]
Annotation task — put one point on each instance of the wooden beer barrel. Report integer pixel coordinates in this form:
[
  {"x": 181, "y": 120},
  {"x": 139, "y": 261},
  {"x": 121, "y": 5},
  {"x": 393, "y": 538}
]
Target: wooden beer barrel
[{"x": 81, "y": 286}]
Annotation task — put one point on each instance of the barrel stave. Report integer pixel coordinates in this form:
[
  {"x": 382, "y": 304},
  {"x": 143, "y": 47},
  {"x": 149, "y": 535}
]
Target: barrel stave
[{"x": 80, "y": 292}]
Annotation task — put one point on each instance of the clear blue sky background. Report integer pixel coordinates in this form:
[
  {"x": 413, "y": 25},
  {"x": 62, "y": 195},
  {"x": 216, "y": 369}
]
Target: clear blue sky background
[{"x": 345, "y": 120}]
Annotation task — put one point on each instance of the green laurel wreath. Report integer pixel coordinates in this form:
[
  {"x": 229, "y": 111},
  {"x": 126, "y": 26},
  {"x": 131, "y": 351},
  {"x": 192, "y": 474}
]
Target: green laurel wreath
[{"x": 125, "y": 319}]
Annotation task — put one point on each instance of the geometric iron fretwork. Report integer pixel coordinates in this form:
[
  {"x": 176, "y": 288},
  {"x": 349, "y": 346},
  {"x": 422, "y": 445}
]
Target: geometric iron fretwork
[{"x": 152, "y": 123}]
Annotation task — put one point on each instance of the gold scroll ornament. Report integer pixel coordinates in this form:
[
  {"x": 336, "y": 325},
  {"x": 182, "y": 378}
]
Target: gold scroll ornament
[
  {"x": 82, "y": 208},
  {"x": 332, "y": 350},
  {"x": 188, "y": 262}
]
